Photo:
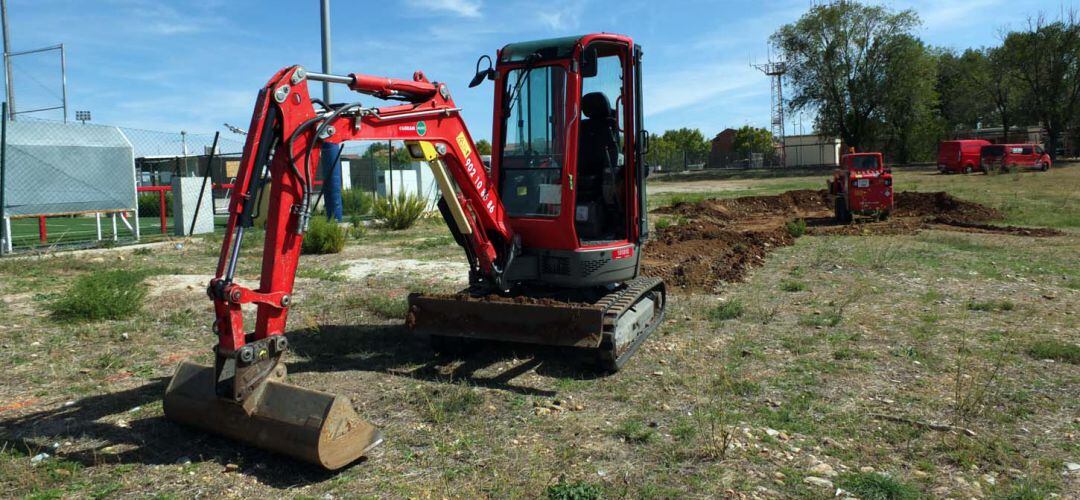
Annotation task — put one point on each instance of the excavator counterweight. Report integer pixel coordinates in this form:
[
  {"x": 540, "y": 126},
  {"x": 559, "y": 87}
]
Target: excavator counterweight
[{"x": 552, "y": 230}]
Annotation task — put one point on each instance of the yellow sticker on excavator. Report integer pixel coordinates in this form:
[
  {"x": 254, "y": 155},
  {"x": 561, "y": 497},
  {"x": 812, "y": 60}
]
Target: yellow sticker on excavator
[{"x": 463, "y": 143}]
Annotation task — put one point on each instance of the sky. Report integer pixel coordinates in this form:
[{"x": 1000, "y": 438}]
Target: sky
[{"x": 173, "y": 65}]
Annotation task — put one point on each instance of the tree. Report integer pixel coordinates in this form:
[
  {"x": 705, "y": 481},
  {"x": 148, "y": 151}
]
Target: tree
[
  {"x": 753, "y": 140},
  {"x": 910, "y": 124},
  {"x": 483, "y": 147},
  {"x": 838, "y": 55},
  {"x": 677, "y": 148},
  {"x": 1047, "y": 62},
  {"x": 962, "y": 89}
]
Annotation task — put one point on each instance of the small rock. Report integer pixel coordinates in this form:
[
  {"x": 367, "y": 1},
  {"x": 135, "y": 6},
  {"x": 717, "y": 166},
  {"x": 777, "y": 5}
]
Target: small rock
[
  {"x": 135, "y": 409},
  {"x": 779, "y": 475},
  {"x": 991, "y": 480},
  {"x": 179, "y": 246},
  {"x": 35, "y": 343},
  {"x": 772, "y": 432},
  {"x": 39, "y": 458},
  {"x": 183, "y": 461},
  {"x": 866, "y": 469},
  {"x": 69, "y": 403},
  {"x": 817, "y": 481},
  {"x": 231, "y": 467},
  {"x": 823, "y": 469},
  {"x": 658, "y": 373},
  {"x": 783, "y": 436},
  {"x": 123, "y": 424},
  {"x": 919, "y": 474},
  {"x": 119, "y": 257},
  {"x": 1072, "y": 466},
  {"x": 125, "y": 336}
]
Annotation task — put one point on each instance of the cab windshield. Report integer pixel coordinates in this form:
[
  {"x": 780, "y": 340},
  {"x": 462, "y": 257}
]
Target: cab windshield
[
  {"x": 530, "y": 177},
  {"x": 869, "y": 162}
]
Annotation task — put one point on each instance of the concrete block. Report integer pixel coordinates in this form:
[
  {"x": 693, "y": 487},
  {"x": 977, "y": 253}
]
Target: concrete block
[{"x": 185, "y": 192}]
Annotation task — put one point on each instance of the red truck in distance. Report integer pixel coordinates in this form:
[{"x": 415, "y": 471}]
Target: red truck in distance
[
  {"x": 960, "y": 155},
  {"x": 1008, "y": 157},
  {"x": 862, "y": 185}
]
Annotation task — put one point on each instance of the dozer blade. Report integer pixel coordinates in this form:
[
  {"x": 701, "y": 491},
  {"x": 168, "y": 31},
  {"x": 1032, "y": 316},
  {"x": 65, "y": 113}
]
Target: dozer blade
[
  {"x": 312, "y": 426},
  {"x": 534, "y": 322}
]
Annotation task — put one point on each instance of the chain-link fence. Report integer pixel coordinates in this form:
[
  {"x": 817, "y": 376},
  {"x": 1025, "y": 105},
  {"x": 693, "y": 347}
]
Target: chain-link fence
[{"x": 82, "y": 185}]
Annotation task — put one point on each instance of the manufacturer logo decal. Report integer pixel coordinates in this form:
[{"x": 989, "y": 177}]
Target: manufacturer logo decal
[{"x": 421, "y": 128}]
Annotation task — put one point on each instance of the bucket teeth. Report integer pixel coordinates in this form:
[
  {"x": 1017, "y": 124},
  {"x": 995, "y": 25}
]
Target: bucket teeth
[{"x": 309, "y": 425}]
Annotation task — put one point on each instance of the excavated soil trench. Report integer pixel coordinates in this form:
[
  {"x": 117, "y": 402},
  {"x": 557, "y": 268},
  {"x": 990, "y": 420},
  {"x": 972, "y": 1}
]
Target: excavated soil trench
[{"x": 720, "y": 240}]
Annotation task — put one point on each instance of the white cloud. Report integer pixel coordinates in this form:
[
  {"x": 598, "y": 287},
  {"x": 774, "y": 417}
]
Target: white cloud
[
  {"x": 462, "y": 8},
  {"x": 564, "y": 17},
  {"x": 672, "y": 90}
]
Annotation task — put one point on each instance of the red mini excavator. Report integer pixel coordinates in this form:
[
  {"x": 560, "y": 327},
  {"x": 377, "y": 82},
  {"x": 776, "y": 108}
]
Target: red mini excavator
[{"x": 553, "y": 232}]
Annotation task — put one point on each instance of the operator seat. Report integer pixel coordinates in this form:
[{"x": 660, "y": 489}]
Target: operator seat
[{"x": 598, "y": 151}]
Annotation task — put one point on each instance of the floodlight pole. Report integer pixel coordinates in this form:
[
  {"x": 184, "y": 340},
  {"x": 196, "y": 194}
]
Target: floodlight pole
[
  {"x": 63, "y": 78},
  {"x": 324, "y": 10},
  {"x": 7, "y": 61}
]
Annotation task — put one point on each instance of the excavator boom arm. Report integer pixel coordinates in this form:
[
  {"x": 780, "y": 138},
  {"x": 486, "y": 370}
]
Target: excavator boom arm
[{"x": 282, "y": 146}]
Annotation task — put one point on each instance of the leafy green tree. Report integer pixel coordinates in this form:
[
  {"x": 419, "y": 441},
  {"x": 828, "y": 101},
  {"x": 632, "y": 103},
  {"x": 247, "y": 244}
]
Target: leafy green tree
[
  {"x": 910, "y": 124},
  {"x": 483, "y": 147},
  {"x": 753, "y": 140},
  {"x": 962, "y": 85},
  {"x": 838, "y": 57},
  {"x": 1047, "y": 61},
  {"x": 677, "y": 148}
]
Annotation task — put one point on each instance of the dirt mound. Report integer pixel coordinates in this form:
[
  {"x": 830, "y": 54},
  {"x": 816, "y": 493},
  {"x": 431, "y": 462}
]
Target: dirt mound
[
  {"x": 942, "y": 207},
  {"x": 801, "y": 201},
  {"x": 700, "y": 255},
  {"x": 721, "y": 240}
]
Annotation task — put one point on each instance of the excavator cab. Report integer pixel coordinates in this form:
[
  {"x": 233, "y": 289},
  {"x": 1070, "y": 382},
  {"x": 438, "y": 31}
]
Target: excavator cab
[{"x": 568, "y": 158}]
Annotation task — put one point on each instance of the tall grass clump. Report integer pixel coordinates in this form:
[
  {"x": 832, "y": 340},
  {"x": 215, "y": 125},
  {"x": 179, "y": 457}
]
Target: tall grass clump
[
  {"x": 323, "y": 237},
  {"x": 399, "y": 212},
  {"x": 115, "y": 294},
  {"x": 356, "y": 202}
]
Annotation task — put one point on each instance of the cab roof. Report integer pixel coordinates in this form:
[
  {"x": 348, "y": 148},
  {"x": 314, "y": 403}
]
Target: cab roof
[{"x": 553, "y": 48}]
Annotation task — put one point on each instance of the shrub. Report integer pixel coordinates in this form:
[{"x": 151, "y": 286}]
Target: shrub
[
  {"x": 578, "y": 490},
  {"x": 149, "y": 205},
  {"x": 728, "y": 310},
  {"x": 662, "y": 223},
  {"x": 323, "y": 237},
  {"x": 399, "y": 212},
  {"x": 355, "y": 202},
  {"x": 796, "y": 227},
  {"x": 115, "y": 294}
]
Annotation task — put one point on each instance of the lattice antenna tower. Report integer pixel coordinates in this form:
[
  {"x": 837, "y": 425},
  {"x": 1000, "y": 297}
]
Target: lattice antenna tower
[{"x": 775, "y": 71}]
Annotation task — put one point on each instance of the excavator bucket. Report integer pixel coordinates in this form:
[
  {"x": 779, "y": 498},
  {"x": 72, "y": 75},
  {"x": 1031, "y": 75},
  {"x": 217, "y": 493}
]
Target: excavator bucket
[{"x": 309, "y": 425}]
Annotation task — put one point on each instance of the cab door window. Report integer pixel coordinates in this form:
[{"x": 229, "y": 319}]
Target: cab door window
[
  {"x": 530, "y": 177},
  {"x": 600, "y": 214}
]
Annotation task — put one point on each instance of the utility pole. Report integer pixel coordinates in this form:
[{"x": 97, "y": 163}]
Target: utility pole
[{"x": 7, "y": 61}]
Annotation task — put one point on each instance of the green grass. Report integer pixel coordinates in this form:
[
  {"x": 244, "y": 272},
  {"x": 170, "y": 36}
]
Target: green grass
[
  {"x": 442, "y": 404},
  {"x": 874, "y": 486},
  {"x": 792, "y": 286},
  {"x": 577, "y": 490},
  {"x": 1056, "y": 350},
  {"x": 990, "y": 305},
  {"x": 386, "y": 306},
  {"x": 115, "y": 294},
  {"x": 633, "y": 430},
  {"x": 730, "y": 309}
]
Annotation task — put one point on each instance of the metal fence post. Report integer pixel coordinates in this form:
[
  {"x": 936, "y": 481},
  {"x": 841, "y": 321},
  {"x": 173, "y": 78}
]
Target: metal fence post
[{"x": 3, "y": 163}]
